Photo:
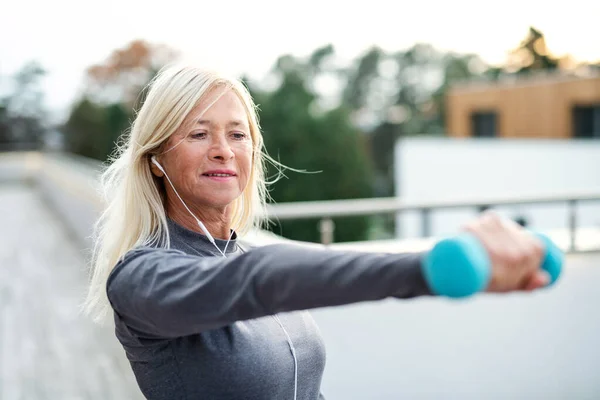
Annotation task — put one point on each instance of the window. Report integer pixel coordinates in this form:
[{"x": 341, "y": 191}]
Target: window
[
  {"x": 484, "y": 124},
  {"x": 586, "y": 121}
]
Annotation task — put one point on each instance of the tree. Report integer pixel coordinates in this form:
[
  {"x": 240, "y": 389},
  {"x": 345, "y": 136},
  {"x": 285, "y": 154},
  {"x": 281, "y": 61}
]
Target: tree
[
  {"x": 93, "y": 129},
  {"x": 22, "y": 114},
  {"x": 532, "y": 54},
  {"x": 123, "y": 75},
  {"x": 361, "y": 75},
  {"x": 325, "y": 142},
  {"x": 114, "y": 89},
  {"x": 5, "y": 133},
  {"x": 402, "y": 94}
]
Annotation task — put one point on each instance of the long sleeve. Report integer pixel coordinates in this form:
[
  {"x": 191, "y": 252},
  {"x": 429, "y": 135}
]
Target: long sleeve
[{"x": 167, "y": 293}]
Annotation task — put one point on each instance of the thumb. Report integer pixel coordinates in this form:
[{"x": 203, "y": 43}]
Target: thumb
[{"x": 538, "y": 280}]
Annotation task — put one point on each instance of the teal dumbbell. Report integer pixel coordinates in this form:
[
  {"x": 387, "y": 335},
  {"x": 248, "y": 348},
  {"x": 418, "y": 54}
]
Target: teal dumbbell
[{"x": 460, "y": 266}]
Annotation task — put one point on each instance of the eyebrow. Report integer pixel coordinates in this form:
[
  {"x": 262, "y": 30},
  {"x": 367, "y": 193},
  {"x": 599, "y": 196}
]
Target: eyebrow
[{"x": 234, "y": 123}]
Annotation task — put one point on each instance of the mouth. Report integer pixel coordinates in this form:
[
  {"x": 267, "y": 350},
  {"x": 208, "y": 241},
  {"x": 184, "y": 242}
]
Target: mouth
[{"x": 220, "y": 175}]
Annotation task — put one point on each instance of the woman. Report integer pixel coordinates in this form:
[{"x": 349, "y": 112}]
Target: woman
[{"x": 200, "y": 317}]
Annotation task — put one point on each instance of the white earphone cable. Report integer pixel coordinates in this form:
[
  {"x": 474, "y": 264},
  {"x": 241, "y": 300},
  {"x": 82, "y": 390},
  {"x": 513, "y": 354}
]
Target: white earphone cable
[
  {"x": 212, "y": 240},
  {"x": 289, "y": 340},
  {"x": 200, "y": 224}
]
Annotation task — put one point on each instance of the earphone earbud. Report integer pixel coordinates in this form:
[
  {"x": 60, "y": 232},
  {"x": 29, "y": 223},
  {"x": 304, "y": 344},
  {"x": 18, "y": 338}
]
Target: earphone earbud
[{"x": 155, "y": 162}]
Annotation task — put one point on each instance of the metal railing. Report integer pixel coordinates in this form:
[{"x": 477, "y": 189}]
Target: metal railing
[{"x": 326, "y": 210}]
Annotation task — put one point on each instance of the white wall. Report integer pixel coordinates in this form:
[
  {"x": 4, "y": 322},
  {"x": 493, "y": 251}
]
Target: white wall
[{"x": 443, "y": 168}]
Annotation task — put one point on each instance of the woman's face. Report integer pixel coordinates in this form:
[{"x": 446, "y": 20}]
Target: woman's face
[{"x": 212, "y": 159}]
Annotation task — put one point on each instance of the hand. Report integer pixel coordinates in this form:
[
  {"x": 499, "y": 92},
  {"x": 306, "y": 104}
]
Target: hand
[{"x": 515, "y": 254}]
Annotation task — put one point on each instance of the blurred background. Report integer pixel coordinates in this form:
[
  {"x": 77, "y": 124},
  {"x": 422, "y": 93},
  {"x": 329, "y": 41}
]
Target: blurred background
[{"x": 416, "y": 116}]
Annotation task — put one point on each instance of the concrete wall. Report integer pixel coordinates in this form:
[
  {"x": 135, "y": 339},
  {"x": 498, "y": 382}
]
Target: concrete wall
[
  {"x": 18, "y": 167},
  {"x": 67, "y": 183},
  {"x": 435, "y": 169}
]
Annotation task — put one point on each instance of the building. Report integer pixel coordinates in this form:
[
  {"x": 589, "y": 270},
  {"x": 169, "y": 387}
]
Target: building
[
  {"x": 550, "y": 106},
  {"x": 529, "y": 115},
  {"x": 442, "y": 169}
]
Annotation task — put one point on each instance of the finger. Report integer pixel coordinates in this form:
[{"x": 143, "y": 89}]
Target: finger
[
  {"x": 490, "y": 233},
  {"x": 511, "y": 251},
  {"x": 538, "y": 280},
  {"x": 528, "y": 250},
  {"x": 506, "y": 252},
  {"x": 535, "y": 256}
]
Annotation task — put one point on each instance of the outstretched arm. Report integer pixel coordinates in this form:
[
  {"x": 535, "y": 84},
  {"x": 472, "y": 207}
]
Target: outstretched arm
[{"x": 167, "y": 293}]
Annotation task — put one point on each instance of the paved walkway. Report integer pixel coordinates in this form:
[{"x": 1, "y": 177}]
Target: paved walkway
[
  {"x": 543, "y": 346},
  {"x": 48, "y": 350},
  {"x": 518, "y": 346}
]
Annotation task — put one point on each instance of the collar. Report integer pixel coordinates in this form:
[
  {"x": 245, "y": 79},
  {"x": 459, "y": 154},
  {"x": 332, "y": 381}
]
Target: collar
[{"x": 182, "y": 235}]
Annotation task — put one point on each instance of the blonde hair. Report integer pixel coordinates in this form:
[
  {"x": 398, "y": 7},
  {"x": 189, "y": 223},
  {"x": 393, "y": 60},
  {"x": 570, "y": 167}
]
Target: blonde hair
[{"x": 134, "y": 214}]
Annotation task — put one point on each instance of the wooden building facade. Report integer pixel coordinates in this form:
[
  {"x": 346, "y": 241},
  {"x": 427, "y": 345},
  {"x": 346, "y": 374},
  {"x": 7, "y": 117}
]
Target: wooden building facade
[{"x": 550, "y": 107}]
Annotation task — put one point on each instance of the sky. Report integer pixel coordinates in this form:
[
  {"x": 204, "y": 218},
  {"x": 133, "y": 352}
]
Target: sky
[{"x": 248, "y": 36}]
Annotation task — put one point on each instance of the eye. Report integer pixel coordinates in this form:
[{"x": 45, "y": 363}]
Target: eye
[
  {"x": 198, "y": 135},
  {"x": 239, "y": 135}
]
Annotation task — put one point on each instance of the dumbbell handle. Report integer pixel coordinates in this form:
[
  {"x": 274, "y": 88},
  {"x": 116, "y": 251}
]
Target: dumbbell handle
[{"x": 460, "y": 266}]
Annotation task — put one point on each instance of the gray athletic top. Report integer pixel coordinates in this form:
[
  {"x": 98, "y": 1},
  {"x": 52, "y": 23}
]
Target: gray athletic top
[{"x": 197, "y": 325}]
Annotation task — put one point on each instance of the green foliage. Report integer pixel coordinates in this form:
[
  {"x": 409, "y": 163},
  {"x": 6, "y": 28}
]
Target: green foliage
[
  {"x": 22, "y": 116},
  {"x": 115, "y": 88},
  {"x": 92, "y": 129},
  {"x": 5, "y": 133},
  {"x": 325, "y": 144},
  {"x": 532, "y": 54},
  {"x": 360, "y": 77},
  {"x": 402, "y": 94}
]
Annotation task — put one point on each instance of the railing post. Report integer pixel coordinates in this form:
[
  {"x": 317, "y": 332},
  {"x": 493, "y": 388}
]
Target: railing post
[
  {"x": 425, "y": 222},
  {"x": 326, "y": 227},
  {"x": 573, "y": 224}
]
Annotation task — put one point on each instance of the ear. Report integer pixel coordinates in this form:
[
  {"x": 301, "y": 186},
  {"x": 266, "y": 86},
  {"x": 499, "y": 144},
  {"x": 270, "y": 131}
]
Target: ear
[{"x": 155, "y": 170}]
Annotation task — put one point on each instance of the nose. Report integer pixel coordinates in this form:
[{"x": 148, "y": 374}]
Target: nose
[{"x": 220, "y": 150}]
